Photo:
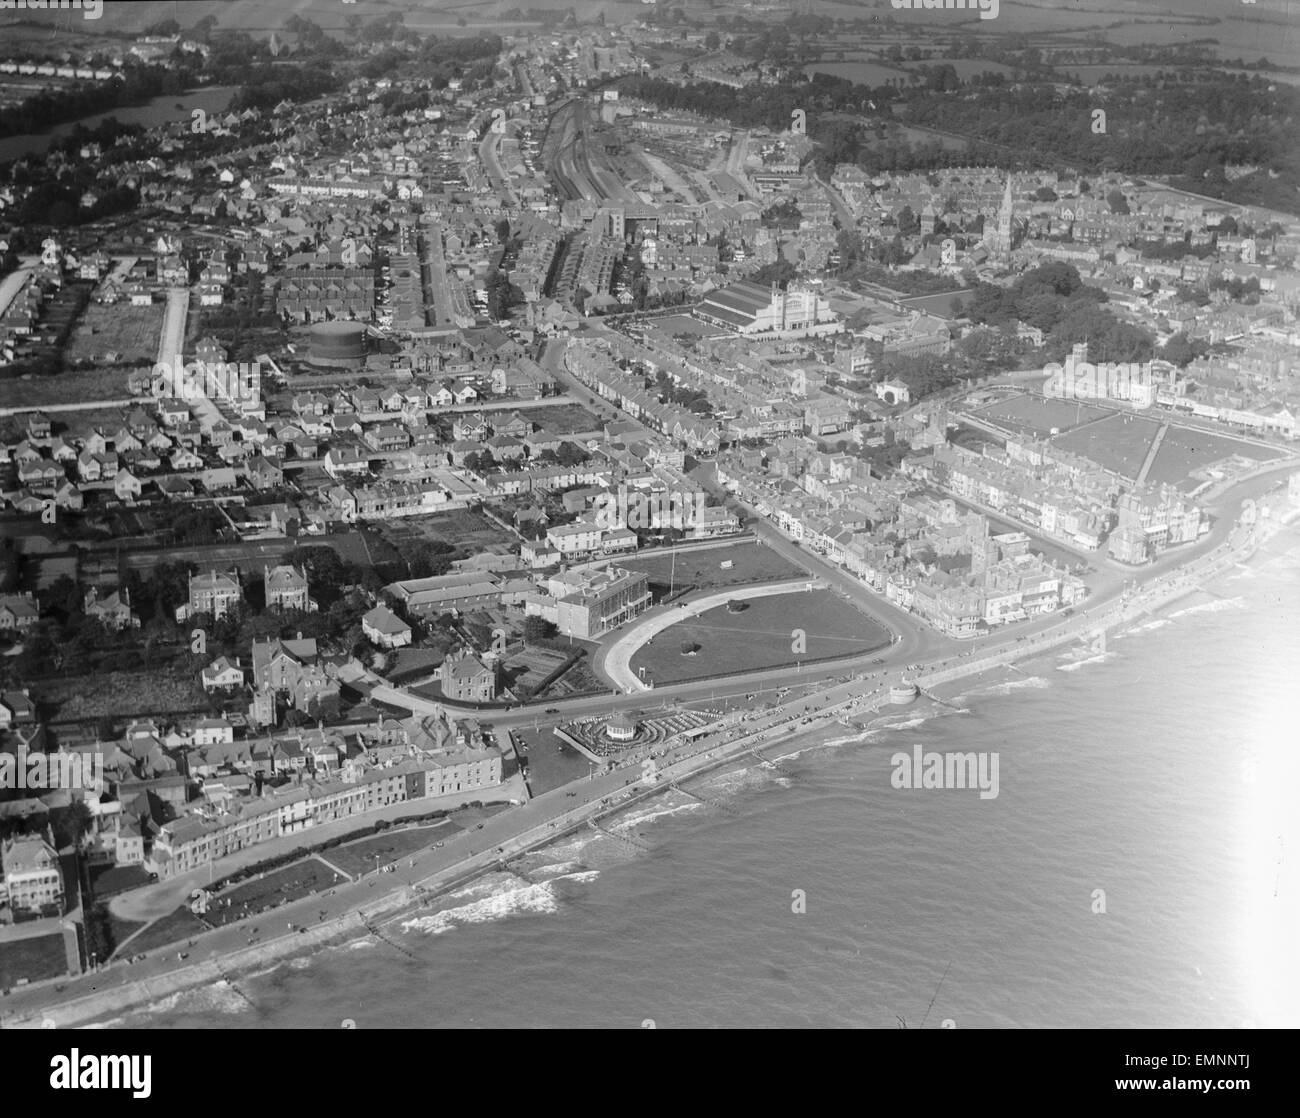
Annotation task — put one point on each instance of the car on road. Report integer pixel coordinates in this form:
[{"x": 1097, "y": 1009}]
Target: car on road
[{"x": 552, "y": 710}]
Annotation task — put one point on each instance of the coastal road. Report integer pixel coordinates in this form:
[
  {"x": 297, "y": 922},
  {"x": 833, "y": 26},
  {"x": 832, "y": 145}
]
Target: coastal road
[
  {"x": 487, "y": 844},
  {"x": 496, "y": 839}
]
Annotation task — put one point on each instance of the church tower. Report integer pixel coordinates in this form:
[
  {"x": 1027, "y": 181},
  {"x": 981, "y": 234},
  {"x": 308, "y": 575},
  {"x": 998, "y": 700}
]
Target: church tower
[{"x": 1000, "y": 242}]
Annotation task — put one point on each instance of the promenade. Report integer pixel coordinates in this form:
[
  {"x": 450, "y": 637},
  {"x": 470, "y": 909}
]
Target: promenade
[{"x": 354, "y": 908}]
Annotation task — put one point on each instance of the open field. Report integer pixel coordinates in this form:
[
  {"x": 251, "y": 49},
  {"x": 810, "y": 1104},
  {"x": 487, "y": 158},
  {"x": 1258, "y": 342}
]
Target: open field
[
  {"x": 1119, "y": 442},
  {"x": 966, "y": 68},
  {"x": 1183, "y": 451},
  {"x": 129, "y": 332},
  {"x": 70, "y": 387},
  {"x": 760, "y": 637},
  {"x": 563, "y": 419},
  {"x": 751, "y": 562},
  {"x": 670, "y": 326},
  {"x": 861, "y": 71},
  {"x": 1037, "y": 416},
  {"x": 356, "y": 858},
  {"x": 32, "y": 959},
  {"x": 471, "y": 531},
  {"x": 120, "y": 694}
]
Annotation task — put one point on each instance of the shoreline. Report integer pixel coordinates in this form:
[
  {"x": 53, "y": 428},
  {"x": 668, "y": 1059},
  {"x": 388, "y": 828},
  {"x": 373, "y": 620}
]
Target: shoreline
[{"x": 852, "y": 713}]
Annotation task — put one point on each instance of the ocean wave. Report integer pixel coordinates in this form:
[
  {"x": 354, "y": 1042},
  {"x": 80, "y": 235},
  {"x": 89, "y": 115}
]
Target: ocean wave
[
  {"x": 652, "y": 812},
  {"x": 581, "y": 876},
  {"x": 904, "y": 722},
  {"x": 1218, "y": 605},
  {"x": 1004, "y": 687},
  {"x": 554, "y": 868},
  {"x": 569, "y": 850},
  {"x": 734, "y": 781},
  {"x": 829, "y": 743},
  {"x": 492, "y": 903},
  {"x": 217, "y": 997},
  {"x": 1075, "y": 665},
  {"x": 1148, "y": 626}
]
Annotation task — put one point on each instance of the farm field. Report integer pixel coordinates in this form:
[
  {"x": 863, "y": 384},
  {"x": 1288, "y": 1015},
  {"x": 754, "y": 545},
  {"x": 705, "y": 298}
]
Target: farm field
[
  {"x": 862, "y": 71},
  {"x": 966, "y": 67},
  {"x": 760, "y": 637}
]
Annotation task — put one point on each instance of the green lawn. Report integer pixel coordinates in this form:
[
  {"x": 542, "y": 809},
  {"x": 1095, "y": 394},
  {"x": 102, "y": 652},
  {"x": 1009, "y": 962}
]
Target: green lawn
[
  {"x": 1119, "y": 443},
  {"x": 179, "y": 924},
  {"x": 32, "y": 959},
  {"x": 760, "y": 637},
  {"x": 1037, "y": 416},
  {"x": 750, "y": 562},
  {"x": 108, "y": 881},
  {"x": 392, "y": 845},
  {"x": 278, "y": 887},
  {"x": 1183, "y": 451},
  {"x": 551, "y": 762}
]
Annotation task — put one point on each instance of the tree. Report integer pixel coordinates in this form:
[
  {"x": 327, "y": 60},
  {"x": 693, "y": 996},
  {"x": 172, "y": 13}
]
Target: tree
[
  {"x": 1117, "y": 202},
  {"x": 1182, "y": 350},
  {"x": 538, "y": 629},
  {"x": 69, "y": 824}
]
